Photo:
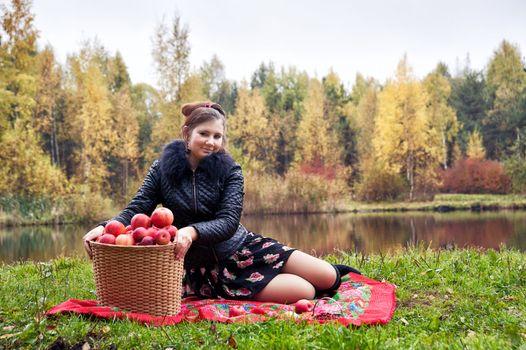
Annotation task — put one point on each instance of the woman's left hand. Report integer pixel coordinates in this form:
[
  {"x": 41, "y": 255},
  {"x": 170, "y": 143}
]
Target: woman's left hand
[{"x": 183, "y": 240}]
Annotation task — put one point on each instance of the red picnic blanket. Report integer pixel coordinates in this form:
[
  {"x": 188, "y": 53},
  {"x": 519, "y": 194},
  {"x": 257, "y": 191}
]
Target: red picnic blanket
[{"x": 359, "y": 300}]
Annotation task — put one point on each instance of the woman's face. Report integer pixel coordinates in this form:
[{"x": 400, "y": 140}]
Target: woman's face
[{"x": 205, "y": 139}]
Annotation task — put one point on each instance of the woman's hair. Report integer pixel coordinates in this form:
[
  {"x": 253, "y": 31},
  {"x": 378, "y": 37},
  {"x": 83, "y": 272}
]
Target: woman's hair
[{"x": 201, "y": 112}]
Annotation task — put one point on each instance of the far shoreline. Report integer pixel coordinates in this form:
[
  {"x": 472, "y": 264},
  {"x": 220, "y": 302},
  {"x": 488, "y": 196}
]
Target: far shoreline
[{"x": 441, "y": 203}]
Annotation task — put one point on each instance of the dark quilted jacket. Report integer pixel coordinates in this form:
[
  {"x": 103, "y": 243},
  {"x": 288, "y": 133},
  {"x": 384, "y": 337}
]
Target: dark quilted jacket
[{"x": 209, "y": 199}]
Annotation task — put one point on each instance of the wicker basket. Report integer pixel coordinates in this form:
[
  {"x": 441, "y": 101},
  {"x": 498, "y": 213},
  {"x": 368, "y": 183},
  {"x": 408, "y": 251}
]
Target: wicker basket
[{"x": 140, "y": 279}]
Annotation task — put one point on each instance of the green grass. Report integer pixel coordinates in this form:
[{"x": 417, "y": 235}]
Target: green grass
[{"x": 448, "y": 299}]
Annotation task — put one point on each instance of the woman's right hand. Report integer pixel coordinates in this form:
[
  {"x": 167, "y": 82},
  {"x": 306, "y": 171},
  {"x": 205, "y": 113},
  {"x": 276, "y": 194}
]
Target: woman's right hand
[{"x": 91, "y": 236}]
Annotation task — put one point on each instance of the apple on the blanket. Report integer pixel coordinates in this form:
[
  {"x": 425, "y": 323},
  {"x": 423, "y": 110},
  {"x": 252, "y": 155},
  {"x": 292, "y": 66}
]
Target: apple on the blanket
[
  {"x": 303, "y": 305},
  {"x": 236, "y": 311}
]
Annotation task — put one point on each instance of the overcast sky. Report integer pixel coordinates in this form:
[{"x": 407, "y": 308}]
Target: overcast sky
[{"x": 366, "y": 36}]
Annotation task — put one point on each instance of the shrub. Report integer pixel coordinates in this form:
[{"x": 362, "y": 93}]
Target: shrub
[
  {"x": 296, "y": 192},
  {"x": 378, "y": 184},
  {"x": 475, "y": 176}
]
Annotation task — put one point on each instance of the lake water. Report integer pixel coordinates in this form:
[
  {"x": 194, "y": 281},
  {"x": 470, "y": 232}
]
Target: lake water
[{"x": 318, "y": 234}]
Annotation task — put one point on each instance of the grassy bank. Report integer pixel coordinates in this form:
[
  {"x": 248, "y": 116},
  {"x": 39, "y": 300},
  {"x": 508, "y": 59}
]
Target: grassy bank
[
  {"x": 453, "y": 299},
  {"x": 442, "y": 202}
]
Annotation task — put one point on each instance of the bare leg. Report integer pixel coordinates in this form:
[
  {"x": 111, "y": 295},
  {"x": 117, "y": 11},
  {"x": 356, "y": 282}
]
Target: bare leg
[
  {"x": 286, "y": 288},
  {"x": 299, "y": 279},
  {"x": 319, "y": 273}
]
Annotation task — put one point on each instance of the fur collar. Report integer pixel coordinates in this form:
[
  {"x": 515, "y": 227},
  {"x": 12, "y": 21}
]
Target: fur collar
[{"x": 175, "y": 165}]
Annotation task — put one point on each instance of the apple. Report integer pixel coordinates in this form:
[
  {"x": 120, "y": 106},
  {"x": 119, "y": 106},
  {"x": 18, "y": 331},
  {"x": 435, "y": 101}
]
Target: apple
[
  {"x": 140, "y": 220},
  {"x": 162, "y": 217},
  {"x": 303, "y": 305},
  {"x": 115, "y": 228},
  {"x": 152, "y": 232},
  {"x": 235, "y": 311},
  {"x": 124, "y": 239},
  {"x": 162, "y": 237},
  {"x": 139, "y": 233},
  {"x": 147, "y": 241},
  {"x": 172, "y": 230},
  {"x": 106, "y": 238}
]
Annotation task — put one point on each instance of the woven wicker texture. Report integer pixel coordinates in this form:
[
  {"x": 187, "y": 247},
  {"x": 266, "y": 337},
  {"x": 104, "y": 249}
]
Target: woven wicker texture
[{"x": 141, "y": 279}]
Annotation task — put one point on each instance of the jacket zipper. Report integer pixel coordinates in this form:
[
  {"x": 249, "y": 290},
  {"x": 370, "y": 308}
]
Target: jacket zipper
[
  {"x": 195, "y": 192},
  {"x": 195, "y": 209}
]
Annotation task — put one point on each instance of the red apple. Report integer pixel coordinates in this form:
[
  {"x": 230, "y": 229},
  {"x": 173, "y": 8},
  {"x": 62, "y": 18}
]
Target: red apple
[
  {"x": 162, "y": 237},
  {"x": 139, "y": 233},
  {"x": 106, "y": 238},
  {"x": 147, "y": 241},
  {"x": 115, "y": 228},
  {"x": 125, "y": 239},
  {"x": 303, "y": 305},
  {"x": 140, "y": 220},
  {"x": 236, "y": 311},
  {"x": 129, "y": 228},
  {"x": 162, "y": 217},
  {"x": 152, "y": 232},
  {"x": 172, "y": 230}
]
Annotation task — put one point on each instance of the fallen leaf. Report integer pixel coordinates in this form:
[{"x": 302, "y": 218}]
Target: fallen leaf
[
  {"x": 8, "y": 328},
  {"x": 232, "y": 342},
  {"x": 9, "y": 335},
  {"x": 404, "y": 321},
  {"x": 449, "y": 290},
  {"x": 106, "y": 329},
  {"x": 86, "y": 346},
  {"x": 213, "y": 328}
]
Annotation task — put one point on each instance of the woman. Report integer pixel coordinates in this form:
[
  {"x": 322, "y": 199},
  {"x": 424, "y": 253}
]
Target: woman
[{"x": 203, "y": 186}]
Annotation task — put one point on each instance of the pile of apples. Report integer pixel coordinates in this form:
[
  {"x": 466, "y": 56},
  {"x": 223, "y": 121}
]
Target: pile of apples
[{"x": 143, "y": 230}]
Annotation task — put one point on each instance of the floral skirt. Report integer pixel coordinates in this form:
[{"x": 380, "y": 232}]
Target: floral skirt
[{"x": 242, "y": 275}]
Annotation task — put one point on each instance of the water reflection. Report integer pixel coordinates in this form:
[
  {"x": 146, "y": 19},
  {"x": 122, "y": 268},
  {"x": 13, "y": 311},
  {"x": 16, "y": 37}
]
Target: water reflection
[
  {"x": 318, "y": 234},
  {"x": 373, "y": 233}
]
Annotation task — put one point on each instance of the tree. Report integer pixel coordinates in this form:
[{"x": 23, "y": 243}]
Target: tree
[
  {"x": 89, "y": 121},
  {"x": 315, "y": 136},
  {"x": 17, "y": 55},
  {"x": 364, "y": 120},
  {"x": 147, "y": 103},
  {"x": 506, "y": 79},
  {"x": 18, "y": 37},
  {"x": 248, "y": 130},
  {"x": 125, "y": 150},
  {"x": 470, "y": 101},
  {"x": 441, "y": 116},
  {"x": 47, "y": 116},
  {"x": 212, "y": 75},
  {"x": 475, "y": 149},
  {"x": 118, "y": 76},
  {"x": 404, "y": 140},
  {"x": 339, "y": 118},
  {"x": 171, "y": 52}
]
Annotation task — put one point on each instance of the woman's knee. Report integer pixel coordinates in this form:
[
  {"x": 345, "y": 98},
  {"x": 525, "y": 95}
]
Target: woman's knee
[
  {"x": 286, "y": 288},
  {"x": 318, "y": 272}
]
